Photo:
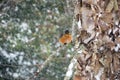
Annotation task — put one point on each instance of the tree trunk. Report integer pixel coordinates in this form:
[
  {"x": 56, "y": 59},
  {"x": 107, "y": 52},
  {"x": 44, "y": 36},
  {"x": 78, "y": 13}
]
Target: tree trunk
[{"x": 99, "y": 36}]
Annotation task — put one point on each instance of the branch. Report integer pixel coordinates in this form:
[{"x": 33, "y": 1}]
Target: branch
[
  {"x": 41, "y": 67},
  {"x": 71, "y": 68}
]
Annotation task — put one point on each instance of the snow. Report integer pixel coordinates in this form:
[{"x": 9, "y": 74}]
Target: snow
[
  {"x": 117, "y": 48},
  {"x": 69, "y": 73},
  {"x": 18, "y": 36},
  {"x": 79, "y": 24},
  {"x": 12, "y": 55},
  {"x": 32, "y": 70},
  {"x": 57, "y": 45},
  {"x": 29, "y": 31},
  {"x": 24, "y": 26},
  {"x": 13, "y": 45},
  {"x": 4, "y": 23},
  {"x": 16, "y": 8},
  {"x": 36, "y": 29},
  {"x": 5, "y": 53},
  {"x": 26, "y": 63},
  {"x": 20, "y": 60},
  {"x": 80, "y": 51},
  {"x": 10, "y": 73},
  {"x": 48, "y": 11},
  {"x": 72, "y": 49},
  {"x": 68, "y": 55},
  {"x": 25, "y": 39},
  {"x": 34, "y": 5},
  {"x": 34, "y": 62},
  {"x": 15, "y": 75},
  {"x": 56, "y": 10},
  {"x": 71, "y": 67},
  {"x": 21, "y": 53}
]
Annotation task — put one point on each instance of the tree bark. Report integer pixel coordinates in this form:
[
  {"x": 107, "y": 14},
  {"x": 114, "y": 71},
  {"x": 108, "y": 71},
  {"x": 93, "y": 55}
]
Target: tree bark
[{"x": 99, "y": 34}]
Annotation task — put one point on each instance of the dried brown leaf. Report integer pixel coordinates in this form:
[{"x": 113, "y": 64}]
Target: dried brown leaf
[
  {"x": 81, "y": 61},
  {"x": 86, "y": 41},
  {"x": 93, "y": 60},
  {"x": 117, "y": 41},
  {"x": 115, "y": 5},
  {"x": 110, "y": 45},
  {"x": 101, "y": 60},
  {"x": 88, "y": 68},
  {"x": 87, "y": 57},
  {"x": 106, "y": 39},
  {"x": 110, "y": 6},
  {"x": 84, "y": 35},
  {"x": 108, "y": 59},
  {"x": 77, "y": 77},
  {"x": 86, "y": 14},
  {"x": 79, "y": 67},
  {"x": 91, "y": 1},
  {"x": 103, "y": 77},
  {"x": 116, "y": 63},
  {"x": 97, "y": 67},
  {"x": 107, "y": 18}
]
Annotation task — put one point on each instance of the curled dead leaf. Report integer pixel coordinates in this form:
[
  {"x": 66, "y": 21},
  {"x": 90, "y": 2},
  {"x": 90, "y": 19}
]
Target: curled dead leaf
[
  {"x": 77, "y": 77},
  {"x": 116, "y": 63},
  {"x": 110, "y": 6},
  {"x": 117, "y": 40}
]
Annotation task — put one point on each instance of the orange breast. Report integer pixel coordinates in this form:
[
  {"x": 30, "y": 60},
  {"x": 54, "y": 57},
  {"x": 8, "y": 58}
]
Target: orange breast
[{"x": 66, "y": 38}]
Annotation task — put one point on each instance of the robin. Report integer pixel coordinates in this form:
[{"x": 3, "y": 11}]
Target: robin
[{"x": 66, "y": 38}]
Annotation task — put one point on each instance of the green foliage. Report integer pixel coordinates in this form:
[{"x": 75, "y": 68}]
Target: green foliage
[{"x": 29, "y": 31}]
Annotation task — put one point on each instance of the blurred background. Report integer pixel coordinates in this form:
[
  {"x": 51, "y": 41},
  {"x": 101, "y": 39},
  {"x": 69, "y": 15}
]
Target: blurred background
[{"x": 29, "y": 33}]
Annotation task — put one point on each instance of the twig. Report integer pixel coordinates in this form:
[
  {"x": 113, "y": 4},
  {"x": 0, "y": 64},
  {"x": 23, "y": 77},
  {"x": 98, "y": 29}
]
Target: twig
[
  {"x": 8, "y": 65},
  {"x": 40, "y": 68}
]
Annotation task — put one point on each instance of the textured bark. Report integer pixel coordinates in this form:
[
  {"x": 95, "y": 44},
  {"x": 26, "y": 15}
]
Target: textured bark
[{"x": 99, "y": 35}]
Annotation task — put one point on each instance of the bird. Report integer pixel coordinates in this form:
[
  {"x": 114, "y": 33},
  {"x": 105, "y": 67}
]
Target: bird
[{"x": 65, "y": 38}]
